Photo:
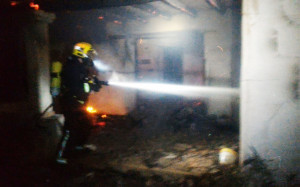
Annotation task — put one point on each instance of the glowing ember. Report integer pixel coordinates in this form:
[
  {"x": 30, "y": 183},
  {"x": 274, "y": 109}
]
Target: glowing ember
[
  {"x": 104, "y": 116},
  {"x": 213, "y": 3},
  {"x": 141, "y": 41},
  {"x": 198, "y": 103},
  {"x": 117, "y": 22},
  {"x": 91, "y": 110},
  {"x": 13, "y": 3},
  {"x": 35, "y": 6},
  {"x": 102, "y": 124},
  {"x": 220, "y": 48}
]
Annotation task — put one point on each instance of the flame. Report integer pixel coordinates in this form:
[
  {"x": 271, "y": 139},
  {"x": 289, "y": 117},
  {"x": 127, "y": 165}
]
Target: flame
[
  {"x": 104, "y": 116},
  {"x": 91, "y": 110},
  {"x": 35, "y": 6}
]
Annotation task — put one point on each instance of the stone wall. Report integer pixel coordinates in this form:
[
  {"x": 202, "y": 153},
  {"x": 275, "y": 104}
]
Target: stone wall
[{"x": 34, "y": 43}]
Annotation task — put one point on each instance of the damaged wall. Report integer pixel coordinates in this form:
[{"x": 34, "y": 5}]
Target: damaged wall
[
  {"x": 270, "y": 84},
  {"x": 152, "y": 54},
  {"x": 210, "y": 65},
  {"x": 216, "y": 30}
]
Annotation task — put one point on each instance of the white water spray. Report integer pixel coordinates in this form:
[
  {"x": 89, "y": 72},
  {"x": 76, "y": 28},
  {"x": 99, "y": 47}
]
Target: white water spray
[
  {"x": 100, "y": 66},
  {"x": 183, "y": 90}
]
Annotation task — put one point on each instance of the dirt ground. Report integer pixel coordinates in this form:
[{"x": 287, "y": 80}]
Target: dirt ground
[
  {"x": 158, "y": 145},
  {"x": 128, "y": 155},
  {"x": 167, "y": 154}
]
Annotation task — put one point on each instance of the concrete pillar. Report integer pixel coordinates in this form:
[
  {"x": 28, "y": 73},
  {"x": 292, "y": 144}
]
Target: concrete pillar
[
  {"x": 37, "y": 54},
  {"x": 218, "y": 69},
  {"x": 269, "y": 83}
]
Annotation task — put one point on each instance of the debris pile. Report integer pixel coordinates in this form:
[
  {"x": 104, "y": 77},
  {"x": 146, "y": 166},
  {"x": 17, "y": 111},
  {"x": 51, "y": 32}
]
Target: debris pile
[{"x": 171, "y": 156}]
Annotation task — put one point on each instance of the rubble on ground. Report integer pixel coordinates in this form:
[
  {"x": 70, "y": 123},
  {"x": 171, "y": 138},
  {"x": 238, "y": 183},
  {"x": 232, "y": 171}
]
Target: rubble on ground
[
  {"x": 169, "y": 155},
  {"x": 125, "y": 157}
]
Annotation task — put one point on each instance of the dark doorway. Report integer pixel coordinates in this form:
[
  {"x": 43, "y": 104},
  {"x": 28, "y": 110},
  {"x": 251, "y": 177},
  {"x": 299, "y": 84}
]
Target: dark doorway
[{"x": 172, "y": 71}]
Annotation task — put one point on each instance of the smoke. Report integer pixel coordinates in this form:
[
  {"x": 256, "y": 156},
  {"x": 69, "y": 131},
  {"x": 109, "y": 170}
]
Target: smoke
[
  {"x": 175, "y": 89},
  {"x": 100, "y": 66}
]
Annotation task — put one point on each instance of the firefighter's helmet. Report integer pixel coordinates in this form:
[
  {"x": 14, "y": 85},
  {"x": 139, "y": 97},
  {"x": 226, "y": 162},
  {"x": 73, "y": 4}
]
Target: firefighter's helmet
[{"x": 83, "y": 50}]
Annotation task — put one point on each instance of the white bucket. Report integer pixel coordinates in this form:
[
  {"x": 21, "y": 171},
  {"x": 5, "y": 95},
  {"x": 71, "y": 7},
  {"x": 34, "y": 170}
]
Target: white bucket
[{"x": 227, "y": 156}]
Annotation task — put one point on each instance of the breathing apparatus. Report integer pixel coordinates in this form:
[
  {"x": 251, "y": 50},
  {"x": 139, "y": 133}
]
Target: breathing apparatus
[{"x": 56, "y": 68}]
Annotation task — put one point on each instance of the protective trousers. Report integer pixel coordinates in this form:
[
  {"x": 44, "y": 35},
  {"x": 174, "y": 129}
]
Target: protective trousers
[{"x": 76, "y": 129}]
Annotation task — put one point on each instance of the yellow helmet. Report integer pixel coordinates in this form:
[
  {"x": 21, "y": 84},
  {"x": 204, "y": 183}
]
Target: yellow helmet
[{"x": 83, "y": 50}]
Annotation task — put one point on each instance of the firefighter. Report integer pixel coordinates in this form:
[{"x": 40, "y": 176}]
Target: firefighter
[{"x": 77, "y": 81}]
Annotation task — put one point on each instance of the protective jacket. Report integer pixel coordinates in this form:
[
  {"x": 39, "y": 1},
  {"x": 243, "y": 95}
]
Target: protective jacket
[
  {"x": 75, "y": 91},
  {"x": 75, "y": 79}
]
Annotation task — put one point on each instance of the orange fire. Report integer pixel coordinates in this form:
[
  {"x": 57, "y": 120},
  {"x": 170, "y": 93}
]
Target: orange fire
[
  {"x": 91, "y": 110},
  {"x": 35, "y": 6},
  {"x": 104, "y": 116}
]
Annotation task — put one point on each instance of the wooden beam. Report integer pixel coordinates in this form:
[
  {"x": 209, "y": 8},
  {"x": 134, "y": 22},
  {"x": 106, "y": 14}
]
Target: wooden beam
[
  {"x": 62, "y": 5},
  {"x": 179, "y": 7},
  {"x": 86, "y": 5},
  {"x": 152, "y": 11}
]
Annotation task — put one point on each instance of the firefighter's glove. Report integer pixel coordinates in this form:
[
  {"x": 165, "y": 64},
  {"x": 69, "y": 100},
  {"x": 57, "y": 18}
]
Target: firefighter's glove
[{"x": 97, "y": 84}]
